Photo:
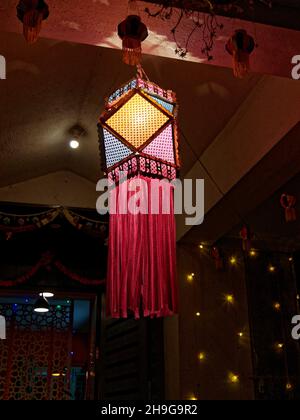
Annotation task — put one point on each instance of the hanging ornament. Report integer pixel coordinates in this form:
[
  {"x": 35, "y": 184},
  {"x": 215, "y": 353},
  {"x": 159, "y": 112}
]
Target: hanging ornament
[
  {"x": 240, "y": 46},
  {"x": 32, "y": 13},
  {"x": 139, "y": 140},
  {"x": 216, "y": 255},
  {"x": 133, "y": 32},
  {"x": 8, "y": 235},
  {"x": 288, "y": 202},
  {"x": 246, "y": 236}
]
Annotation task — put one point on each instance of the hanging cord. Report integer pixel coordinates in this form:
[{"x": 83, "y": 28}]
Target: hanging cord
[{"x": 141, "y": 74}]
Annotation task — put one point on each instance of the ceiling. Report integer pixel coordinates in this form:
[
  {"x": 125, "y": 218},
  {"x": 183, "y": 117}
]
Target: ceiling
[
  {"x": 227, "y": 125},
  {"x": 51, "y": 86},
  {"x": 283, "y": 13},
  {"x": 94, "y": 22}
]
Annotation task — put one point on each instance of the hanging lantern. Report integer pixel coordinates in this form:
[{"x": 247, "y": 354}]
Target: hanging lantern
[
  {"x": 138, "y": 135},
  {"x": 133, "y": 32},
  {"x": 216, "y": 255},
  {"x": 288, "y": 202},
  {"x": 32, "y": 13},
  {"x": 240, "y": 46},
  {"x": 246, "y": 236}
]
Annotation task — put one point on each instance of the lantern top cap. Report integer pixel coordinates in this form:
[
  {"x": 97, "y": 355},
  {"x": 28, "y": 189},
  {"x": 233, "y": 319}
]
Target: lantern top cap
[{"x": 138, "y": 83}]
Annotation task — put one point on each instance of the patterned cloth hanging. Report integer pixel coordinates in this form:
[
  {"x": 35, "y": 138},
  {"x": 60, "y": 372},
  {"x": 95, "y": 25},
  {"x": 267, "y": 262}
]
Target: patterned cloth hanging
[
  {"x": 32, "y": 13},
  {"x": 288, "y": 202},
  {"x": 240, "y": 46},
  {"x": 139, "y": 137}
]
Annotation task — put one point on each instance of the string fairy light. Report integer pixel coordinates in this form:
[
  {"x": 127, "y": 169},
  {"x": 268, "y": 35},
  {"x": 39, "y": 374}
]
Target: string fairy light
[
  {"x": 233, "y": 260},
  {"x": 229, "y": 299},
  {"x": 201, "y": 356},
  {"x": 272, "y": 268},
  {"x": 190, "y": 277},
  {"x": 277, "y": 306},
  {"x": 233, "y": 378},
  {"x": 253, "y": 253}
]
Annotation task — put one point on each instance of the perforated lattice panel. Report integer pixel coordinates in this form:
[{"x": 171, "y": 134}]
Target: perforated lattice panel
[
  {"x": 120, "y": 92},
  {"x": 137, "y": 120},
  {"x": 168, "y": 107},
  {"x": 162, "y": 146},
  {"x": 115, "y": 151}
]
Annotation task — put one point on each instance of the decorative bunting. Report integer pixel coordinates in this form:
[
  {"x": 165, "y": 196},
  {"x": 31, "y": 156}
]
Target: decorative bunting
[
  {"x": 47, "y": 260},
  {"x": 288, "y": 202}
]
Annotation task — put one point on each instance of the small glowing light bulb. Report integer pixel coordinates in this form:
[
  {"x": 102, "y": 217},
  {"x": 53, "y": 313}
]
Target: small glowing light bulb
[
  {"x": 241, "y": 334},
  {"x": 253, "y": 253},
  {"x": 289, "y": 386},
  {"x": 291, "y": 259},
  {"x": 229, "y": 298},
  {"x": 233, "y": 378},
  {"x": 74, "y": 144},
  {"x": 198, "y": 314},
  {"x": 201, "y": 246},
  {"x": 191, "y": 276},
  {"x": 233, "y": 260},
  {"x": 201, "y": 356},
  {"x": 277, "y": 306},
  {"x": 271, "y": 268},
  {"x": 280, "y": 346}
]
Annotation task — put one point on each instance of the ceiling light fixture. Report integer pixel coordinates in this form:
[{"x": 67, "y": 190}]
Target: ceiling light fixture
[
  {"x": 74, "y": 144},
  {"x": 41, "y": 306},
  {"x": 47, "y": 294}
]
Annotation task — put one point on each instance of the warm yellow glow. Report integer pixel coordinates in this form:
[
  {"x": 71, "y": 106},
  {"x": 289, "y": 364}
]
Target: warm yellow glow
[
  {"x": 229, "y": 299},
  {"x": 253, "y": 253},
  {"x": 193, "y": 398},
  {"x": 241, "y": 334},
  {"x": 271, "y": 268},
  {"x": 190, "y": 277},
  {"x": 201, "y": 356},
  {"x": 291, "y": 259},
  {"x": 289, "y": 386},
  {"x": 233, "y": 260},
  {"x": 277, "y": 306},
  {"x": 298, "y": 297},
  {"x": 55, "y": 375},
  {"x": 279, "y": 346},
  {"x": 201, "y": 246},
  {"x": 137, "y": 120},
  {"x": 233, "y": 378},
  {"x": 198, "y": 314}
]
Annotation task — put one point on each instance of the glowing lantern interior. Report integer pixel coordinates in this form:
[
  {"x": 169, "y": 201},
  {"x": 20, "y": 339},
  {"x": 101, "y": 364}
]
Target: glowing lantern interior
[
  {"x": 139, "y": 131},
  {"x": 137, "y": 120}
]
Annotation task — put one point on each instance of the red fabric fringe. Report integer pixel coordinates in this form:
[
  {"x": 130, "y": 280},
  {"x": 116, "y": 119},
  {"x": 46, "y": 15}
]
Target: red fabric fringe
[{"x": 141, "y": 276}]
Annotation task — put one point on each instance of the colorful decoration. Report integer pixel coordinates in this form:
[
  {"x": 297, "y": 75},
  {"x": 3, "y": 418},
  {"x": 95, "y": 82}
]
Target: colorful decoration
[
  {"x": 240, "y": 46},
  {"x": 32, "y": 13},
  {"x": 133, "y": 32},
  {"x": 47, "y": 260},
  {"x": 246, "y": 236},
  {"x": 216, "y": 255},
  {"x": 12, "y": 224},
  {"x": 288, "y": 202},
  {"x": 139, "y": 136}
]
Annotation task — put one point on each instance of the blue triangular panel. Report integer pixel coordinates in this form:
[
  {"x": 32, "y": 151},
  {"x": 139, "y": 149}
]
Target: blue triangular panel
[
  {"x": 115, "y": 151},
  {"x": 169, "y": 107}
]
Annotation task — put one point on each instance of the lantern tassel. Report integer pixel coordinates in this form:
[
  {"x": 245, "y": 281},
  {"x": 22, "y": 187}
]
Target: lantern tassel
[
  {"x": 132, "y": 51},
  {"x": 241, "y": 64},
  {"x": 32, "y": 25}
]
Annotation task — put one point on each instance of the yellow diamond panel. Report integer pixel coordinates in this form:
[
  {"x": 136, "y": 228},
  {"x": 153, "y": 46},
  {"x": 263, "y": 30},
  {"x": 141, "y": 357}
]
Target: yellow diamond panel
[{"x": 137, "y": 120}]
